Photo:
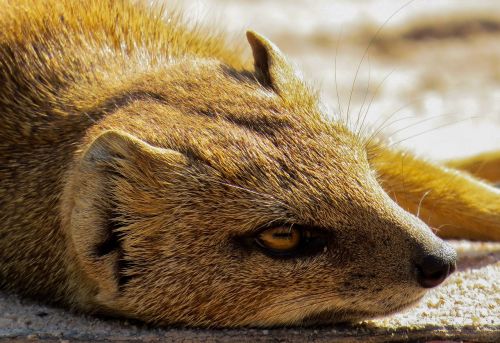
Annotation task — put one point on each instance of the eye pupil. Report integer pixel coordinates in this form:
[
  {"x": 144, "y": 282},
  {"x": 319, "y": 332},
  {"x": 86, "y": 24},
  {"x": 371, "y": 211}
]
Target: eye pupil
[{"x": 285, "y": 235}]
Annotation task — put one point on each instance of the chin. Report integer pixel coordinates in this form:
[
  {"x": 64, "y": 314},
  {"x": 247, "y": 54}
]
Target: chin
[{"x": 348, "y": 316}]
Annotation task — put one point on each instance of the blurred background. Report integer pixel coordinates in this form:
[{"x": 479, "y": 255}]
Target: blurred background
[{"x": 430, "y": 78}]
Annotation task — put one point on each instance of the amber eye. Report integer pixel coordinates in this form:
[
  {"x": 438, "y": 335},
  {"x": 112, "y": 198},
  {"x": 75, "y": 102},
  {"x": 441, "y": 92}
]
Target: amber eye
[{"x": 280, "y": 239}]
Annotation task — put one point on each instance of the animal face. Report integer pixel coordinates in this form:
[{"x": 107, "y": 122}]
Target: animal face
[{"x": 240, "y": 204}]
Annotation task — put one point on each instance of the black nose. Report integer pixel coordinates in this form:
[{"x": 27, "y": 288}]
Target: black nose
[{"x": 433, "y": 269}]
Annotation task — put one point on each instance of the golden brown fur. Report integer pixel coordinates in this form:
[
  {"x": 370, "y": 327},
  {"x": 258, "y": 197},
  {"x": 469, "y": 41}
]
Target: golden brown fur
[{"x": 137, "y": 157}]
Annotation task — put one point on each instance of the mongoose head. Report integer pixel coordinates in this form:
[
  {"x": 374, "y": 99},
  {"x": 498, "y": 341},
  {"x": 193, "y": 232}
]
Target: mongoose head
[{"x": 226, "y": 198}]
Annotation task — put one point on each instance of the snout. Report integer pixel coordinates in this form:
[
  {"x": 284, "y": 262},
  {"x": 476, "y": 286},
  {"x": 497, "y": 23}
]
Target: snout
[{"x": 432, "y": 268}]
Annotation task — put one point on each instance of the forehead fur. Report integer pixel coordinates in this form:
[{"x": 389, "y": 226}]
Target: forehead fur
[
  {"x": 199, "y": 107},
  {"x": 204, "y": 100}
]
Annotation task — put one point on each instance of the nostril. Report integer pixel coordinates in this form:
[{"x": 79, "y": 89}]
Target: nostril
[{"x": 433, "y": 270}]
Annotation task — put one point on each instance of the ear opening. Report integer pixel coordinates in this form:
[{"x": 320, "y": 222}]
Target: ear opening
[
  {"x": 272, "y": 64},
  {"x": 111, "y": 239},
  {"x": 111, "y": 247},
  {"x": 260, "y": 55}
]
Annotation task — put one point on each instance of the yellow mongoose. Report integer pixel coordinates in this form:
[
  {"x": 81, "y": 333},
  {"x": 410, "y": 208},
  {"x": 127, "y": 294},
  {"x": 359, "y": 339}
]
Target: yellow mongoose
[{"x": 146, "y": 171}]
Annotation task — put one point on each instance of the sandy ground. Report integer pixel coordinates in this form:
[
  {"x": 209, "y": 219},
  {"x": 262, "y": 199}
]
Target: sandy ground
[{"x": 431, "y": 79}]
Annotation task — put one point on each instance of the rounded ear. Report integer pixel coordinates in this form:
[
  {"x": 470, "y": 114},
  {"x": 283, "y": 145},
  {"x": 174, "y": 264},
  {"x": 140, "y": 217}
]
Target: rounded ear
[
  {"x": 90, "y": 205},
  {"x": 272, "y": 64}
]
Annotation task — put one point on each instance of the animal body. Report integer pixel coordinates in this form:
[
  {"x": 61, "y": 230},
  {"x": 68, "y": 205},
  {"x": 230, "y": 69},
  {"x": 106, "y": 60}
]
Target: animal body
[{"x": 150, "y": 171}]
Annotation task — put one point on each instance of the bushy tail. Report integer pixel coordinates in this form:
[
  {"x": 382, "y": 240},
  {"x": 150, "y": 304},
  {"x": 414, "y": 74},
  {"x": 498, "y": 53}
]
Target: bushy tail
[
  {"x": 485, "y": 166},
  {"x": 452, "y": 201}
]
